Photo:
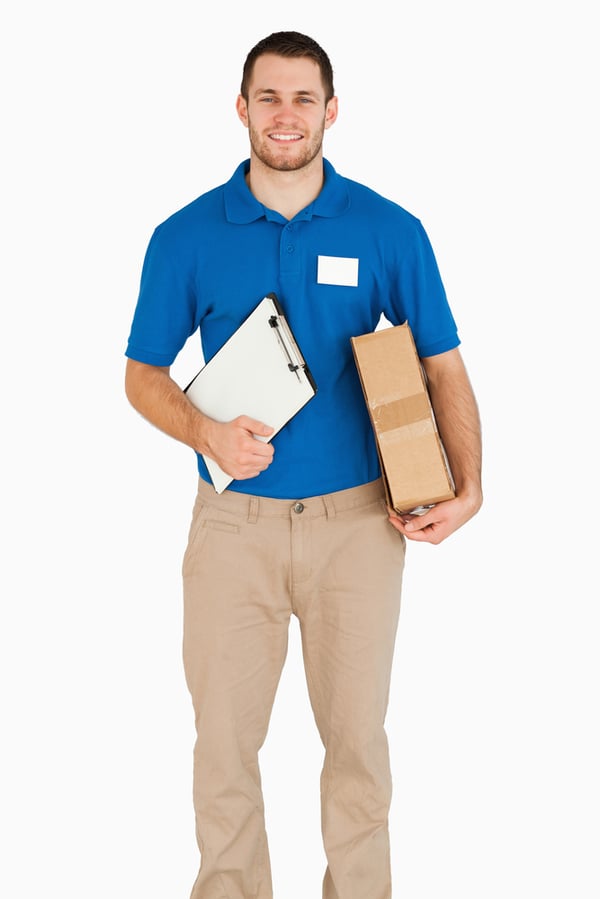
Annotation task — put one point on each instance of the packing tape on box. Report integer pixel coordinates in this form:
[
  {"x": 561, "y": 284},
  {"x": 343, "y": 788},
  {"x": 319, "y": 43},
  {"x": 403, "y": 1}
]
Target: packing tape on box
[{"x": 402, "y": 412}]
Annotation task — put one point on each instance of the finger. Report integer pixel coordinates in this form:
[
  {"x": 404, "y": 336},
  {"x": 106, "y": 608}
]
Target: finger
[
  {"x": 254, "y": 426},
  {"x": 258, "y": 449},
  {"x": 252, "y": 470},
  {"x": 396, "y": 523},
  {"x": 419, "y": 523}
]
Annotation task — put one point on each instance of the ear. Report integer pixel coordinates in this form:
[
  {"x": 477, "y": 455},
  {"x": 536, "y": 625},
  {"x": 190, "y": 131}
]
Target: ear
[
  {"x": 242, "y": 110},
  {"x": 331, "y": 112}
]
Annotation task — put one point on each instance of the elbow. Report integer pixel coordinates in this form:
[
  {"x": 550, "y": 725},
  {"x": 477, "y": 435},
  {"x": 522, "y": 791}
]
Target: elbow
[
  {"x": 136, "y": 377},
  {"x": 130, "y": 382}
]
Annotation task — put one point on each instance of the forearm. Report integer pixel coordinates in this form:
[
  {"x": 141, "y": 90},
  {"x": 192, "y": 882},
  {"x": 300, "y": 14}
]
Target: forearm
[
  {"x": 457, "y": 416},
  {"x": 160, "y": 400},
  {"x": 157, "y": 397}
]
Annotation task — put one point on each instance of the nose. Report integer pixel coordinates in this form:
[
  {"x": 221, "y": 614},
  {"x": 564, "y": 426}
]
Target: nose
[{"x": 285, "y": 113}]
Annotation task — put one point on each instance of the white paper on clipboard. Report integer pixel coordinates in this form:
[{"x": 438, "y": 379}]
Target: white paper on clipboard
[{"x": 259, "y": 372}]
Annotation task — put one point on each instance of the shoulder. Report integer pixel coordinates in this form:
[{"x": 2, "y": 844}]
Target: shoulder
[
  {"x": 180, "y": 234},
  {"x": 391, "y": 224},
  {"x": 194, "y": 213},
  {"x": 208, "y": 212},
  {"x": 389, "y": 215},
  {"x": 367, "y": 197}
]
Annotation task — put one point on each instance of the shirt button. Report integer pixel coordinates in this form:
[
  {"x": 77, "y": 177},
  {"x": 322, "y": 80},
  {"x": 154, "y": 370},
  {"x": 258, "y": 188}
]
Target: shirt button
[
  {"x": 298, "y": 508},
  {"x": 290, "y": 248}
]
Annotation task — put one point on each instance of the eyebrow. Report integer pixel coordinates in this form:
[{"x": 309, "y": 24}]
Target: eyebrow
[{"x": 272, "y": 92}]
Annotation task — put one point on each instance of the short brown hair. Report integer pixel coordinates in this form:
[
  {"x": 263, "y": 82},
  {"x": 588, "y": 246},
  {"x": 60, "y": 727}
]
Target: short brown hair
[{"x": 289, "y": 44}]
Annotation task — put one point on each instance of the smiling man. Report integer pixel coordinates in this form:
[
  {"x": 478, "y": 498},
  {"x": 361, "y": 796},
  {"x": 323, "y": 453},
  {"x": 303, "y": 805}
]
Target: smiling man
[
  {"x": 286, "y": 123},
  {"x": 303, "y": 528}
]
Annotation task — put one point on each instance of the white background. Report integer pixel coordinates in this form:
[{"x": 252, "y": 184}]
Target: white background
[{"x": 479, "y": 118}]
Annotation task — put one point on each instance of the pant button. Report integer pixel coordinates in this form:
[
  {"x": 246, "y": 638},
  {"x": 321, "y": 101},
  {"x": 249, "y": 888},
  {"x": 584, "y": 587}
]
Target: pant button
[{"x": 298, "y": 508}]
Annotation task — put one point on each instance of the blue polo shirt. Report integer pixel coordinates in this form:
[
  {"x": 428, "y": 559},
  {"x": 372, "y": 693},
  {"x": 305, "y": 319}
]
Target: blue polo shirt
[{"x": 209, "y": 264}]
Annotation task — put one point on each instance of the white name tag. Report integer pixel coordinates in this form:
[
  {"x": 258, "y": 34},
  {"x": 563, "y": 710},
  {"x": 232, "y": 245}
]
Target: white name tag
[{"x": 342, "y": 270}]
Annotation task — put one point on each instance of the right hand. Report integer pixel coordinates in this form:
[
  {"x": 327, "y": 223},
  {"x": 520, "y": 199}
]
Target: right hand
[{"x": 235, "y": 448}]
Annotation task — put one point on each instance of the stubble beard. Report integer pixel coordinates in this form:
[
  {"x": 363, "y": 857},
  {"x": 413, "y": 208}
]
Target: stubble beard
[{"x": 284, "y": 161}]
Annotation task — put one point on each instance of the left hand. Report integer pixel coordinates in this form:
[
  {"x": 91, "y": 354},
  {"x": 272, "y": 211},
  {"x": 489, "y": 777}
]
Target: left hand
[{"x": 439, "y": 522}]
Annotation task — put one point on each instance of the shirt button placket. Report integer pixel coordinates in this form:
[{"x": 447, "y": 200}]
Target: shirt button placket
[{"x": 289, "y": 258}]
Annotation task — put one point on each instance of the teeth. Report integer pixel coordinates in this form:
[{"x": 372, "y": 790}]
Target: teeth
[{"x": 285, "y": 136}]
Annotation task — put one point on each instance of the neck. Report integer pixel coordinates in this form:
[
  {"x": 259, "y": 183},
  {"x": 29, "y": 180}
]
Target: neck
[{"x": 285, "y": 192}]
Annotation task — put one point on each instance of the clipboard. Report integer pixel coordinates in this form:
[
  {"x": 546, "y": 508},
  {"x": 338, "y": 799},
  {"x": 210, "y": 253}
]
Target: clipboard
[{"x": 259, "y": 371}]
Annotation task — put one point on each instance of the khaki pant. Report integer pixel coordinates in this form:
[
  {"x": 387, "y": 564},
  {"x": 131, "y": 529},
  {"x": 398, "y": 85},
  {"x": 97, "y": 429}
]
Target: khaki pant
[{"x": 336, "y": 563}]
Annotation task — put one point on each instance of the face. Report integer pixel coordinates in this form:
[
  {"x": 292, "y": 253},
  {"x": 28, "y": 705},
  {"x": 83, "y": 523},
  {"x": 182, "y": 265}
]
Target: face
[{"x": 286, "y": 114}]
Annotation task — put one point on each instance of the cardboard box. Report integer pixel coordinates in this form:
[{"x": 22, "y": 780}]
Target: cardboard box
[{"x": 413, "y": 461}]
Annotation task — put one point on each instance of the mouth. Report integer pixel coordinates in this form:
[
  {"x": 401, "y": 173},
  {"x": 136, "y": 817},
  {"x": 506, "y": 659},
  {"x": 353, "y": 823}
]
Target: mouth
[{"x": 285, "y": 137}]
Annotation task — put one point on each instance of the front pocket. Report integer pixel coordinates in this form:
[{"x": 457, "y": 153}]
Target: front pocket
[
  {"x": 200, "y": 532},
  {"x": 224, "y": 526},
  {"x": 195, "y": 536}
]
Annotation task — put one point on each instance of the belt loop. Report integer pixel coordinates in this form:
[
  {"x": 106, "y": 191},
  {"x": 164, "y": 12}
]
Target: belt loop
[
  {"x": 329, "y": 505},
  {"x": 253, "y": 510}
]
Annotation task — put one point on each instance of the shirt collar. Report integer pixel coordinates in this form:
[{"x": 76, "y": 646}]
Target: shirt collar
[{"x": 241, "y": 207}]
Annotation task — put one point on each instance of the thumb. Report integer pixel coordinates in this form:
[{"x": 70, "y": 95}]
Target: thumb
[{"x": 254, "y": 426}]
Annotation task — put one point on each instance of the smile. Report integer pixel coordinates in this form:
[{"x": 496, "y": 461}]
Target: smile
[{"x": 285, "y": 137}]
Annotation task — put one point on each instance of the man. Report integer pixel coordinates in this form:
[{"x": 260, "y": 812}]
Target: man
[{"x": 303, "y": 528}]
